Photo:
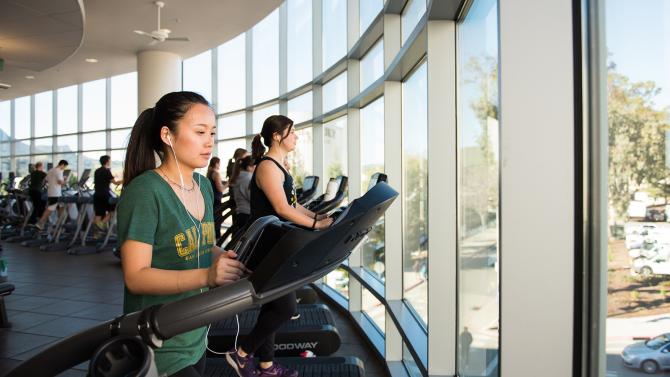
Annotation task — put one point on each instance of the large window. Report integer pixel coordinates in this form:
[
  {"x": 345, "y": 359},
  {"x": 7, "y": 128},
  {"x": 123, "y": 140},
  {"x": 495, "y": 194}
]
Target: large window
[
  {"x": 299, "y": 42},
  {"x": 43, "y": 145},
  {"x": 415, "y": 191},
  {"x": 94, "y": 109},
  {"x": 411, "y": 15},
  {"x": 67, "y": 110},
  {"x": 119, "y": 138},
  {"x": 198, "y": 74},
  {"x": 301, "y": 160},
  {"x": 372, "y": 64},
  {"x": 234, "y": 125},
  {"x": 368, "y": 10},
  {"x": 372, "y": 161},
  {"x": 335, "y": 92},
  {"x": 124, "y": 100},
  {"x": 300, "y": 108},
  {"x": 259, "y": 116},
  {"x": 374, "y": 310},
  {"x": 22, "y": 117},
  {"x": 334, "y": 148},
  {"x": 94, "y": 141},
  {"x": 334, "y": 31},
  {"x": 227, "y": 148},
  {"x": 5, "y": 120},
  {"x": 265, "y": 60},
  {"x": 478, "y": 190},
  {"x": 638, "y": 255},
  {"x": 44, "y": 117},
  {"x": 232, "y": 70}
]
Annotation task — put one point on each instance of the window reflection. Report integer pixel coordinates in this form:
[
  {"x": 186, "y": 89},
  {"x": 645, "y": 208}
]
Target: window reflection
[
  {"x": 374, "y": 309},
  {"x": 5, "y": 120},
  {"x": 22, "y": 118},
  {"x": 335, "y": 92},
  {"x": 372, "y": 161},
  {"x": 299, "y": 42},
  {"x": 67, "y": 110},
  {"x": 265, "y": 60},
  {"x": 334, "y": 38},
  {"x": 197, "y": 74},
  {"x": 123, "y": 100},
  {"x": 44, "y": 114},
  {"x": 368, "y": 9},
  {"x": 232, "y": 70},
  {"x": 411, "y": 15},
  {"x": 339, "y": 281},
  {"x": 94, "y": 113},
  {"x": 415, "y": 191},
  {"x": 372, "y": 65},
  {"x": 232, "y": 125},
  {"x": 300, "y": 108},
  {"x": 478, "y": 199}
]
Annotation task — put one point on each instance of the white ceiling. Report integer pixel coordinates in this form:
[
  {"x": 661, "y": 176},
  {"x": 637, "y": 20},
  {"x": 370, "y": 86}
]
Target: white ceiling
[{"x": 42, "y": 37}]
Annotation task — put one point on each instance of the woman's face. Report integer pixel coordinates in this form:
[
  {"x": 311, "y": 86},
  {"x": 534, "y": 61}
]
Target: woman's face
[
  {"x": 290, "y": 139},
  {"x": 194, "y": 141}
]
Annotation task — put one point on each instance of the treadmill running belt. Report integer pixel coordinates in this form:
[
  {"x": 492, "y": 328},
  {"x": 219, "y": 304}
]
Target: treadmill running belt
[{"x": 306, "y": 367}]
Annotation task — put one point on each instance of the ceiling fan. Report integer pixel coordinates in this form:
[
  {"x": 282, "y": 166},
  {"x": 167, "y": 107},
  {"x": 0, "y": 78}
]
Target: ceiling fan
[{"x": 160, "y": 35}]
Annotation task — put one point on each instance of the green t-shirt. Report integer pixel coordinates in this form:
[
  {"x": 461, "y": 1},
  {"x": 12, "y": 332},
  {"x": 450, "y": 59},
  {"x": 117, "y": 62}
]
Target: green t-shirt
[{"x": 149, "y": 211}]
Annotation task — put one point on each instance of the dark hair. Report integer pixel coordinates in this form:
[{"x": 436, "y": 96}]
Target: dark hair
[
  {"x": 145, "y": 137},
  {"x": 230, "y": 167},
  {"x": 38, "y": 164},
  {"x": 246, "y": 162},
  {"x": 104, "y": 160},
  {"x": 63, "y": 163},
  {"x": 213, "y": 162},
  {"x": 273, "y": 124}
]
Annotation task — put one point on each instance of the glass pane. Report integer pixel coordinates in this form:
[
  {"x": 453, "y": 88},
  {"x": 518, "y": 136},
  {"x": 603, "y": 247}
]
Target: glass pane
[
  {"x": 300, "y": 108},
  {"x": 226, "y": 149},
  {"x": 5, "y": 166},
  {"x": 44, "y": 145},
  {"x": 94, "y": 141},
  {"x": 638, "y": 258},
  {"x": 409, "y": 362},
  {"x": 124, "y": 100},
  {"x": 22, "y": 166},
  {"x": 94, "y": 113},
  {"x": 44, "y": 116},
  {"x": 22, "y": 118},
  {"x": 334, "y": 31},
  {"x": 301, "y": 159},
  {"x": 299, "y": 43},
  {"x": 411, "y": 15},
  {"x": 5, "y": 120},
  {"x": 478, "y": 190},
  {"x": 43, "y": 158},
  {"x": 118, "y": 157},
  {"x": 339, "y": 280},
  {"x": 67, "y": 110},
  {"x": 232, "y": 74},
  {"x": 120, "y": 138},
  {"x": 334, "y": 149},
  {"x": 369, "y": 9},
  {"x": 22, "y": 147},
  {"x": 372, "y": 161},
  {"x": 374, "y": 309},
  {"x": 66, "y": 143},
  {"x": 259, "y": 116},
  {"x": 198, "y": 74},
  {"x": 415, "y": 191},
  {"x": 372, "y": 65},
  {"x": 232, "y": 125},
  {"x": 335, "y": 92},
  {"x": 265, "y": 60},
  {"x": 5, "y": 148}
]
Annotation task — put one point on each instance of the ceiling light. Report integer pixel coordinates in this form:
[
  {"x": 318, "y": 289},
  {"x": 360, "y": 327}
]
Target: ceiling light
[
  {"x": 91, "y": 60},
  {"x": 30, "y": 77}
]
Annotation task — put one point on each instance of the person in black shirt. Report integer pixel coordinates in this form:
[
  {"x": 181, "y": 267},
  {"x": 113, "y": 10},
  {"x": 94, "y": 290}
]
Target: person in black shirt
[
  {"x": 35, "y": 190},
  {"x": 101, "y": 180}
]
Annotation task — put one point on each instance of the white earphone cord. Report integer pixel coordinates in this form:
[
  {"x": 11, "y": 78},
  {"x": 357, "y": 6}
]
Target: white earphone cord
[{"x": 198, "y": 231}]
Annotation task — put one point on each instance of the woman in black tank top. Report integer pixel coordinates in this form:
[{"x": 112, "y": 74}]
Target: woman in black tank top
[{"x": 272, "y": 193}]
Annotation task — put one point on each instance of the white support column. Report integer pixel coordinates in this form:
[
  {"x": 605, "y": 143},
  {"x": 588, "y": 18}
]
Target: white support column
[
  {"x": 12, "y": 136},
  {"x": 108, "y": 118},
  {"x": 354, "y": 163},
  {"x": 353, "y": 22},
  {"x": 391, "y": 38},
  {"x": 537, "y": 214},
  {"x": 393, "y": 215},
  {"x": 80, "y": 128},
  {"x": 283, "y": 56},
  {"x": 54, "y": 127},
  {"x": 442, "y": 207},
  {"x": 215, "y": 91},
  {"x": 158, "y": 73},
  {"x": 317, "y": 104},
  {"x": 31, "y": 149},
  {"x": 249, "y": 98}
]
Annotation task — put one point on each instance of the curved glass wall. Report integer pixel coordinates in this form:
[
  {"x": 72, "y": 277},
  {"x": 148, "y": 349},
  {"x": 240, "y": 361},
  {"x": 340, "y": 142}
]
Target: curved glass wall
[
  {"x": 265, "y": 58},
  {"x": 299, "y": 54},
  {"x": 478, "y": 187}
]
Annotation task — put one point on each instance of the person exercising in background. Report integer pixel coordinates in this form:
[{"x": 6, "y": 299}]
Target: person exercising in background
[
  {"x": 55, "y": 184},
  {"x": 102, "y": 178},
  {"x": 218, "y": 187},
  {"x": 239, "y": 153},
  {"x": 35, "y": 190},
  {"x": 272, "y": 193},
  {"x": 240, "y": 187}
]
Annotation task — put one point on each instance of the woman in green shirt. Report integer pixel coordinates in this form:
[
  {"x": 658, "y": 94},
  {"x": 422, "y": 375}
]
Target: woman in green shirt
[{"x": 165, "y": 220}]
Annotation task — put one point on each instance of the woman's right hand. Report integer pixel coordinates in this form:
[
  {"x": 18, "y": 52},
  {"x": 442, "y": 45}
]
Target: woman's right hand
[
  {"x": 225, "y": 269},
  {"x": 324, "y": 223}
]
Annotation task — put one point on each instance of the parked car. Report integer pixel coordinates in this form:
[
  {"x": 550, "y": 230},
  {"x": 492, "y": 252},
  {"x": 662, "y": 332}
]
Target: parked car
[{"x": 651, "y": 356}]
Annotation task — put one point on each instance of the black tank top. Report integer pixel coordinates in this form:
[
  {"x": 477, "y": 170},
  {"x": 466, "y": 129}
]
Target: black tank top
[
  {"x": 217, "y": 195},
  {"x": 260, "y": 204}
]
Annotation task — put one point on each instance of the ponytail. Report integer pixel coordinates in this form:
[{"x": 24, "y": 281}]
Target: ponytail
[
  {"x": 257, "y": 148},
  {"x": 145, "y": 141},
  {"x": 140, "y": 151}
]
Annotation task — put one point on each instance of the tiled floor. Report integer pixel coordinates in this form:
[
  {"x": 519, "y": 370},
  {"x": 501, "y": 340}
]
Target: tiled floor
[{"x": 58, "y": 295}]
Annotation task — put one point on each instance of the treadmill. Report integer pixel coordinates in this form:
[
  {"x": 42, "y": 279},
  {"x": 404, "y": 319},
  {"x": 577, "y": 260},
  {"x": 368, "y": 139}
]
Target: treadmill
[
  {"x": 334, "y": 195},
  {"x": 308, "y": 190},
  {"x": 283, "y": 257}
]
